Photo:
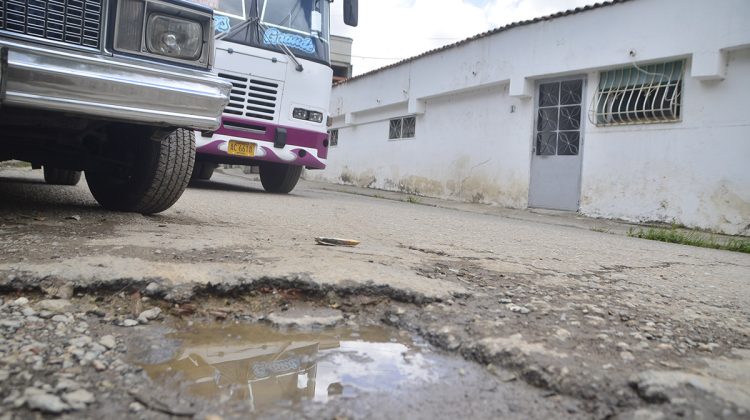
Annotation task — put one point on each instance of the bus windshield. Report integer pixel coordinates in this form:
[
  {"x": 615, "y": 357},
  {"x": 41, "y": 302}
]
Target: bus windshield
[{"x": 300, "y": 25}]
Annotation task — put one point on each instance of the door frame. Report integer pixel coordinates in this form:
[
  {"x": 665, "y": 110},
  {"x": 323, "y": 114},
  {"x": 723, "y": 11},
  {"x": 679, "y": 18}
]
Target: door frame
[{"x": 584, "y": 77}]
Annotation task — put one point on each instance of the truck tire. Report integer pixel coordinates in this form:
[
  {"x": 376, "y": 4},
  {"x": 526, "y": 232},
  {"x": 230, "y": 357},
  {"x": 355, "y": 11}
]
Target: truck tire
[
  {"x": 203, "y": 171},
  {"x": 57, "y": 176},
  {"x": 278, "y": 177},
  {"x": 158, "y": 178}
]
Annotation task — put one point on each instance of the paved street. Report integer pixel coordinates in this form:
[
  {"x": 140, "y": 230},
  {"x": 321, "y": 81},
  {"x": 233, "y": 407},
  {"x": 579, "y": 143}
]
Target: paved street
[{"x": 566, "y": 315}]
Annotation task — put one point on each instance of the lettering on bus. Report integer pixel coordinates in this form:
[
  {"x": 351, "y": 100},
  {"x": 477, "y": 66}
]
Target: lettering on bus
[
  {"x": 273, "y": 36},
  {"x": 221, "y": 23}
]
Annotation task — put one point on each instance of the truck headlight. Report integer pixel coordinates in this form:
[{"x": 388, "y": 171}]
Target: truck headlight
[
  {"x": 174, "y": 37},
  {"x": 180, "y": 32}
]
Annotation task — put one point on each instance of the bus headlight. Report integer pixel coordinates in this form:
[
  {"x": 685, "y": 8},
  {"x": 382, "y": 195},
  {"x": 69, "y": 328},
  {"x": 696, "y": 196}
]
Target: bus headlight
[
  {"x": 300, "y": 113},
  {"x": 306, "y": 114},
  {"x": 174, "y": 37},
  {"x": 179, "y": 32},
  {"x": 315, "y": 116}
]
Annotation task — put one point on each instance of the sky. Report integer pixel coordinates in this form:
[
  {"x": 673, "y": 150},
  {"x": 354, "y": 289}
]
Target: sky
[{"x": 392, "y": 30}]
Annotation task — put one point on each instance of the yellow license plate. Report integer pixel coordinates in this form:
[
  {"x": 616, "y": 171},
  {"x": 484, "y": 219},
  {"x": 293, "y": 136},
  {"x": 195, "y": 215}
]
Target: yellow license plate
[{"x": 241, "y": 148}]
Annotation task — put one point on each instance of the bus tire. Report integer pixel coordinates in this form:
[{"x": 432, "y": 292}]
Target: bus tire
[
  {"x": 203, "y": 171},
  {"x": 279, "y": 178},
  {"x": 57, "y": 176},
  {"x": 159, "y": 176}
]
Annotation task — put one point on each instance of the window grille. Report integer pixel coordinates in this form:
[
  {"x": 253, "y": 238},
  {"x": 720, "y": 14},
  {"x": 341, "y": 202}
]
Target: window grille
[
  {"x": 333, "y": 137},
  {"x": 639, "y": 95},
  {"x": 558, "y": 121},
  {"x": 394, "y": 132},
  {"x": 402, "y": 128}
]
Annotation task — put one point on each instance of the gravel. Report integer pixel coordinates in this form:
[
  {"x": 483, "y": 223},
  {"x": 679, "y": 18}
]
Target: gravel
[{"x": 57, "y": 364}]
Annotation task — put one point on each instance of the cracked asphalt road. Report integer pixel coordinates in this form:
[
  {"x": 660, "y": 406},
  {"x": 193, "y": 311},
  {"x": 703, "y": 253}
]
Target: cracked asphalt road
[{"x": 625, "y": 327}]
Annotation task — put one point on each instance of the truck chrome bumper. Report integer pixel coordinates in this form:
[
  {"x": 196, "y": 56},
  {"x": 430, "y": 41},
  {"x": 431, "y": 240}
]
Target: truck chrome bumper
[{"x": 110, "y": 87}]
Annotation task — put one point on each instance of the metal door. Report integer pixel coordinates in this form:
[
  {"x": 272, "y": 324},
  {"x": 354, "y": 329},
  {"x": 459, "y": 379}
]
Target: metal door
[{"x": 556, "y": 158}]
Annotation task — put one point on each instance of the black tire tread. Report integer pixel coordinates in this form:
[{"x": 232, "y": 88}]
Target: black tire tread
[
  {"x": 158, "y": 180},
  {"x": 57, "y": 176},
  {"x": 174, "y": 166},
  {"x": 279, "y": 178},
  {"x": 203, "y": 171}
]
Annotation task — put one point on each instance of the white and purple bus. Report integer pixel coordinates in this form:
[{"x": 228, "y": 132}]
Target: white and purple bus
[{"x": 276, "y": 55}]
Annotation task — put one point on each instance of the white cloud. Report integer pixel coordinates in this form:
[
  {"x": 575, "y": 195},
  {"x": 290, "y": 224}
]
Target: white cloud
[{"x": 391, "y": 30}]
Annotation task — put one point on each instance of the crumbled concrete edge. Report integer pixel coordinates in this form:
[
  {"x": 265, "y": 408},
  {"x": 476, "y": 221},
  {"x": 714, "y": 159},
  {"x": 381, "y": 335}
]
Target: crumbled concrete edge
[
  {"x": 519, "y": 366},
  {"x": 163, "y": 289}
]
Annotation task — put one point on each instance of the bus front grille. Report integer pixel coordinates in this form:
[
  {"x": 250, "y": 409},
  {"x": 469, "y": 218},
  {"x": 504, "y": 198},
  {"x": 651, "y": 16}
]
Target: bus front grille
[
  {"x": 252, "y": 97},
  {"x": 76, "y": 22}
]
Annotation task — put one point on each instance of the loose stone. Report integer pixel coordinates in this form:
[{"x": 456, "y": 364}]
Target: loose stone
[
  {"x": 148, "y": 315},
  {"x": 78, "y": 399},
  {"x": 65, "y": 384},
  {"x": 136, "y": 407},
  {"x": 54, "y": 305},
  {"x": 20, "y": 301},
  {"x": 519, "y": 309},
  {"x": 37, "y": 399},
  {"x": 108, "y": 341},
  {"x": 562, "y": 334}
]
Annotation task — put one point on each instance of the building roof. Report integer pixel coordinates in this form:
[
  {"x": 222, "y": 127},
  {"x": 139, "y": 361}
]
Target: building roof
[{"x": 489, "y": 33}]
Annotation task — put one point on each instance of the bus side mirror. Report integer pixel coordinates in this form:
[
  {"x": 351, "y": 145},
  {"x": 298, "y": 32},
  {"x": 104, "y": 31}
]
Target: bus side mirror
[
  {"x": 351, "y": 12},
  {"x": 316, "y": 22}
]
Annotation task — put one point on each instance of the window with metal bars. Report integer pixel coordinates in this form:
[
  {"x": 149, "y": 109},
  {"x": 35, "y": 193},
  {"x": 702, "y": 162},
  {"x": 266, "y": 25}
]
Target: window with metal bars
[
  {"x": 402, "y": 128},
  {"x": 333, "y": 137},
  {"x": 639, "y": 95}
]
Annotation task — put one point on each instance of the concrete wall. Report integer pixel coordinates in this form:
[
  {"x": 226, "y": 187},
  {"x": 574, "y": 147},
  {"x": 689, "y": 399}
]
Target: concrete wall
[
  {"x": 475, "y": 116},
  {"x": 696, "y": 172},
  {"x": 459, "y": 160}
]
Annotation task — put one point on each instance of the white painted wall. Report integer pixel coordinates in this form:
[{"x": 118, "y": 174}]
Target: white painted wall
[
  {"x": 470, "y": 146},
  {"x": 457, "y": 152},
  {"x": 696, "y": 172}
]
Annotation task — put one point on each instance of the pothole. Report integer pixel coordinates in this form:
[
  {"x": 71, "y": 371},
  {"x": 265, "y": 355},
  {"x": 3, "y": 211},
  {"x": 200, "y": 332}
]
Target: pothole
[
  {"x": 265, "y": 366},
  {"x": 230, "y": 358}
]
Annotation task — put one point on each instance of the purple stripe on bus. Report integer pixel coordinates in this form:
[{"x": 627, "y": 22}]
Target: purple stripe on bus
[
  {"x": 294, "y": 136},
  {"x": 309, "y": 160}
]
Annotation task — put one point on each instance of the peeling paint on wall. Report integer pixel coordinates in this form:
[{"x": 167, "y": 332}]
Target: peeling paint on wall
[
  {"x": 420, "y": 185},
  {"x": 723, "y": 208},
  {"x": 489, "y": 190},
  {"x": 366, "y": 179},
  {"x": 733, "y": 208},
  {"x": 479, "y": 188}
]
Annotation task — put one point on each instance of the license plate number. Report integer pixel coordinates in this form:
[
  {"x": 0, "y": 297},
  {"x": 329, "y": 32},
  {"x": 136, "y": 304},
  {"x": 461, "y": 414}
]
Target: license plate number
[{"x": 241, "y": 148}]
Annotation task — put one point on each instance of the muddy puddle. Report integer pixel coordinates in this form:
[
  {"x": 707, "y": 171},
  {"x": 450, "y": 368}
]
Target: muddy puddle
[{"x": 263, "y": 366}]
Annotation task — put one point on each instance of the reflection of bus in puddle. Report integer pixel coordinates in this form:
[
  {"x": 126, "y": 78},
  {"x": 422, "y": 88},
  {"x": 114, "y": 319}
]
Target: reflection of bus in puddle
[
  {"x": 263, "y": 366},
  {"x": 279, "y": 371}
]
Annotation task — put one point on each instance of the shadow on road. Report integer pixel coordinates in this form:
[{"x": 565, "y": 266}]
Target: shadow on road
[
  {"x": 25, "y": 197},
  {"x": 19, "y": 180},
  {"x": 20, "y": 194},
  {"x": 222, "y": 186}
]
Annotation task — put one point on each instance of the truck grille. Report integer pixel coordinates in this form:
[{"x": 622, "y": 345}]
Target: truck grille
[
  {"x": 76, "y": 22},
  {"x": 251, "y": 97}
]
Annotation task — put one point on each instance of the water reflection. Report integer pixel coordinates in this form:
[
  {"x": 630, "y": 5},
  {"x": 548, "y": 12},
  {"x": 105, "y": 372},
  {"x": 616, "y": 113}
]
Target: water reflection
[{"x": 262, "y": 365}]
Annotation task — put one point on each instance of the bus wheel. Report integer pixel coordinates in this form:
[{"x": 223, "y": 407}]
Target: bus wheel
[
  {"x": 278, "y": 177},
  {"x": 203, "y": 170},
  {"x": 57, "y": 176},
  {"x": 159, "y": 174}
]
